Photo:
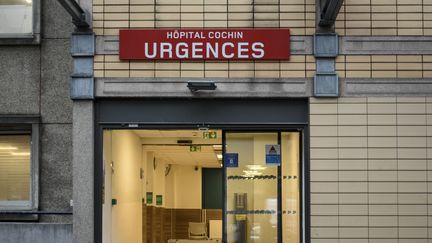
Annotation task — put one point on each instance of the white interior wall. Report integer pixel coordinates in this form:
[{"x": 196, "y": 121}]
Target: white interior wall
[
  {"x": 126, "y": 187},
  {"x": 169, "y": 189},
  {"x": 154, "y": 178},
  {"x": 181, "y": 188},
  {"x": 188, "y": 187},
  {"x": 159, "y": 182},
  {"x": 106, "y": 206},
  {"x": 149, "y": 156}
]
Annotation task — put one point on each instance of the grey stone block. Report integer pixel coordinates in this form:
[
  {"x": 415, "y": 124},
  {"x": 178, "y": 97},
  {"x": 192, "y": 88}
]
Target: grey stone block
[
  {"x": 57, "y": 23},
  {"x": 56, "y": 106},
  {"x": 19, "y": 80},
  {"x": 56, "y": 171},
  {"x": 326, "y": 85},
  {"x": 83, "y": 66},
  {"x": 83, "y": 44},
  {"x": 325, "y": 65},
  {"x": 82, "y": 88},
  {"x": 326, "y": 45},
  {"x": 35, "y": 233}
]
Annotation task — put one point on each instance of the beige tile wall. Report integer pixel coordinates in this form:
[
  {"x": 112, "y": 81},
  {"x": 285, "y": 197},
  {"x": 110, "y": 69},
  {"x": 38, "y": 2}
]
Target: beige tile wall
[
  {"x": 110, "y": 15},
  {"x": 371, "y": 169},
  {"x": 357, "y": 17},
  {"x": 384, "y": 66},
  {"x": 300, "y": 66},
  {"x": 385, "y": 17}
]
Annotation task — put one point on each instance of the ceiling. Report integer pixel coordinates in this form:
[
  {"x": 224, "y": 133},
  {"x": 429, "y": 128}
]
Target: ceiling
[{"x": 164, "y": 143}]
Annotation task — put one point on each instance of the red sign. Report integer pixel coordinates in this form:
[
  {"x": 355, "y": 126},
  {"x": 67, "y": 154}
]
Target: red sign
[{"x": 205, "y": 44}]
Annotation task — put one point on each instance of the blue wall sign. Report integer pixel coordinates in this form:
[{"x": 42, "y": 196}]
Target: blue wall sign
[
  {"x": 273, "y": 154},
  {"x": 230, "y": 159}
]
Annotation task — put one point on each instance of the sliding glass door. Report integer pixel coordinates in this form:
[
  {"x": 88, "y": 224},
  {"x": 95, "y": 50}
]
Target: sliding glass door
[{"x": 262, "y": 188}]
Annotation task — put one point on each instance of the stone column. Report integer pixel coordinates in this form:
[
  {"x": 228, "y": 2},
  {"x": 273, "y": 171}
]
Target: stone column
[
  {"x": 83, "y": 171},
  {"x": 82, "y": 94}
]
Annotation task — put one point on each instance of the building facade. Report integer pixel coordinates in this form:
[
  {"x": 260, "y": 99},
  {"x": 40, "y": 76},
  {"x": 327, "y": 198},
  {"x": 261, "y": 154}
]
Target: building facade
[
  {"x": 365, "y": 85},
  {"x": 35, "y": 105}
]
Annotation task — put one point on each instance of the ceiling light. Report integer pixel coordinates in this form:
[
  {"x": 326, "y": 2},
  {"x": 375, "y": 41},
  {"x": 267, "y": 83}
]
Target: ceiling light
[
  {"x": 20, "y": 153},
  {"x": 219, "y": 156},
  {"x": 255, "y": 167},
  {"x": 8, "y": 148},
  {"x": 28, "y": 1},
  {"x": 217, "y": 147}
]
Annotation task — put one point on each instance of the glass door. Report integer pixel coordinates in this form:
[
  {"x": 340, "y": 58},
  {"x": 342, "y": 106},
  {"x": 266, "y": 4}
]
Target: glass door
[{"x": 262, "y": 188}]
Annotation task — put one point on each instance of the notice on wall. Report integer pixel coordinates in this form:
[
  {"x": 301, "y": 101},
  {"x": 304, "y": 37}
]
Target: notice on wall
[
  {"x": 149, "y": 198},
  {"x": 159, "y": 200},
  {"x": 205, "y": 44},
  {"x": 273, "y": 154},
  {"x": 230, "y": 160}
]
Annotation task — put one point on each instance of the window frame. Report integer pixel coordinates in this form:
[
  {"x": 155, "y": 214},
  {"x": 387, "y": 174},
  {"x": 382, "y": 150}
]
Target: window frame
[
  {"x": 24, "y": 125},
  {"x": 26, "y": 38}
]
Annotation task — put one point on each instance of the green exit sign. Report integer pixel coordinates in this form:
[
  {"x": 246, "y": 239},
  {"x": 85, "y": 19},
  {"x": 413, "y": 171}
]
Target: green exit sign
[
  {"x": 209, "y": 135},
  {"x": 195, "y": 148}
]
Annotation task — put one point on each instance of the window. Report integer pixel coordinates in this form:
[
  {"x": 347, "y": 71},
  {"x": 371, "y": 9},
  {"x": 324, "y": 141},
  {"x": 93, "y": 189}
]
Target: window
[
  {"x": 19, "y": 21},
  {"x": 18, "y": 166}
]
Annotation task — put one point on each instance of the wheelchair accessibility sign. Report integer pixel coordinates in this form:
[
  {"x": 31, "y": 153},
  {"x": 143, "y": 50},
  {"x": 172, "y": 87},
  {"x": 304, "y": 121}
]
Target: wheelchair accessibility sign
[
  {"x": 273, "y": 154},
  {"x": 231, "y": 160}
]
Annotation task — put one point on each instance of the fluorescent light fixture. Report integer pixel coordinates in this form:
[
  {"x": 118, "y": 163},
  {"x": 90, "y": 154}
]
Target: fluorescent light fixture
[
  {"x": 195, "y": 85},
  {"x": 8, "y": 148},
  {"x": 255, "y": 167},
  {"x": 20, "y": 153},
  {"x": 217, "y": 147}
]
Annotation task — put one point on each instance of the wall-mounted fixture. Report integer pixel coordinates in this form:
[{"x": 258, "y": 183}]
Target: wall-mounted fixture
[
  {"x": 195, "y": 85},
  {"x": 78, "y": 15}
]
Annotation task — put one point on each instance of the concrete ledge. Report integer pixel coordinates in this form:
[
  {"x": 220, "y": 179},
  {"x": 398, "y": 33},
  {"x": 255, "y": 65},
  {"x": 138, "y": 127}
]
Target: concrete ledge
[
  {"x": 35, "y": 233},
  {"x": 386, "y": 87},
  {"x": 380, "y": 45},
  {"x": 165, "y": 87},
  {"x": 109, "y": 45},
  {"x": 136, "y": 87}
]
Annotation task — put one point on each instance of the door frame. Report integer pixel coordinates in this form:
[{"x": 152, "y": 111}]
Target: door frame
[{"x": 302, "y": 125}]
